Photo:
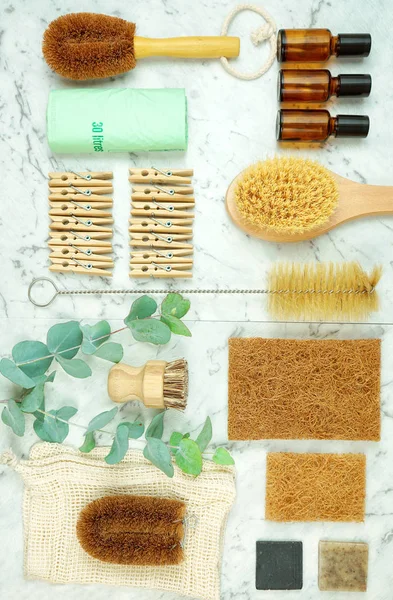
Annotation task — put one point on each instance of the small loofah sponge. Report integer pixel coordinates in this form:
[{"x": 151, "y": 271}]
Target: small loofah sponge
[
  {"x": 89, "y": 46},
  {"x": 304, "y": 389},
  {"x": 133, "y": 530},
  {"x": 287, "y": 195},
  {"x": 315, "y": 487}
]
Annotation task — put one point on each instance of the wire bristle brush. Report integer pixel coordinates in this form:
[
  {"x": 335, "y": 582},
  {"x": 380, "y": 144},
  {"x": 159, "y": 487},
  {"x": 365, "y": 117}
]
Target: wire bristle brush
[
  {"x": 84, "y": 46},
  {"x": 158, "y": 384},
  {"x": 322, "y": 291},
  {"x": 133, "y": 530}
]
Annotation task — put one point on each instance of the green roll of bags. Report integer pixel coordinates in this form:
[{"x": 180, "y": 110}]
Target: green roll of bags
[{"x": 117, "y": 120}]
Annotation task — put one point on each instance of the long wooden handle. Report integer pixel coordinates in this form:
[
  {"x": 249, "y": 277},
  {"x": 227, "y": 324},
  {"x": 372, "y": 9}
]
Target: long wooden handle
[{"x": 187, "y": 47}]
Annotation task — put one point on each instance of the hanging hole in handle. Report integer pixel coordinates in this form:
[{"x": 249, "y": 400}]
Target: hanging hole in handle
[
  {"x": 145, "y": 173},
  {"x": 46, "y": 288}
]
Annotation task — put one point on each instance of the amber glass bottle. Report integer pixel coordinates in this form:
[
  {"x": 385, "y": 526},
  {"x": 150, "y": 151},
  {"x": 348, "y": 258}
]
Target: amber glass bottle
[
  {"x": 318, "y": 125},
  {"x": 317, "y": 85},
  {"x": 317, "y": 45}
]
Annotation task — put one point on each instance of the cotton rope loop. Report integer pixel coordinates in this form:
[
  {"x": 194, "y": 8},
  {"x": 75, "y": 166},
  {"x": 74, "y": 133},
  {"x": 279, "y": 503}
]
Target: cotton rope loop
[{"x": 265, "y": 32}]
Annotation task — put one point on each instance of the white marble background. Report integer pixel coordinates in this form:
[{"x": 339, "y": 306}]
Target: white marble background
[{"x": 231, "y": 123}]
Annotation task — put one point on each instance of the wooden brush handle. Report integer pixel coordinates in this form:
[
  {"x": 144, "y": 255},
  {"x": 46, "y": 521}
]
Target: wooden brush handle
[
  {"x": 187, "y": 47},
  {"x": 144, "y": 383}
]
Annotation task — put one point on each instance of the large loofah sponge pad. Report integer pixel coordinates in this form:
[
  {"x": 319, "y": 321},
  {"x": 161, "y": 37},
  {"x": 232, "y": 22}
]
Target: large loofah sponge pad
[{"x": 287, "y": 195}]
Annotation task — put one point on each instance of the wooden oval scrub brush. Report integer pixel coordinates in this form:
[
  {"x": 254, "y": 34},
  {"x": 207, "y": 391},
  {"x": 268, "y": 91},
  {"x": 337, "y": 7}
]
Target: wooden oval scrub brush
[
  {"x": 294, "y": 199},
  {"x": 92, "y": 46},
  {"x": 158, "y": 384}
]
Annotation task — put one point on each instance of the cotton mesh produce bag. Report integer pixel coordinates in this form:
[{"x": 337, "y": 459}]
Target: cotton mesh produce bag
[{"x": 60, "y": 482}]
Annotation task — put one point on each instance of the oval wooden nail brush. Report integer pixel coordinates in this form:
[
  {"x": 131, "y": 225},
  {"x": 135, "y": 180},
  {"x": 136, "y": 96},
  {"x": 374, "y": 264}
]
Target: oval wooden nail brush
[
  {"x": 293, "y": 199},
  {"x": 84, "y": 46}
]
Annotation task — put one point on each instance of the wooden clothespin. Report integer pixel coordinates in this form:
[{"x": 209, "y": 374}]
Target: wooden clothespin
[
  {"x": 153, "y": 225},
  {"x": 147, "y": 240},
  {"x": 82, "y": 267},
  {"x": 80, "y": 209},
  {"x": 161, "y": 176},
  {"x": 80, "y": 224},
  {"x": 82, "y": 179},
  {"x": 160, "y": 193},
  {"x": 165, "y": 209},
  {"x": 97, "y": 238},
  {"x": 161, "y": 271}
]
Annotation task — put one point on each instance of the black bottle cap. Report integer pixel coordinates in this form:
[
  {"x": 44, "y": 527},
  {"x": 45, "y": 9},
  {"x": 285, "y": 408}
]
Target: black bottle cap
[
  {"x": 352, "y": 126},
  {"x": 354, "y": 85},
  {"x": 353, "y": 44}
]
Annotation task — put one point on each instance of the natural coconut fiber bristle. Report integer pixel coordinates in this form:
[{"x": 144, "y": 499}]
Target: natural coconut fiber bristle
[
  {"x": 89, "y": 46},
  {"x": 322, "y": 291},
  {"x": 176, "y": 384},
  {"x": 133, "y": 530},
  {"x": 287, "y": 195}
]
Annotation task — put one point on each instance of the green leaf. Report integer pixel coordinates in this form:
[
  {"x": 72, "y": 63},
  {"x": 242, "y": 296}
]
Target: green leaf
[
  {"x": 174, "y": 441},
  {"x": 34, "y": 399},
  {"x": 64, "y": 339},
  {"x": 176, "y": 326},
  {"x": 175, "y": 305},
  {"x": 205, "y": 436},
  {"x": 26, "y": 351},
  {"x": 135, "y": 430},
  {"x": 189, "y": 457},
  {"x": 156, "y": 427},
  {"x": 75, "y": 367},
  {"x": 45, "y": 378},
  {"x": 143, "y": 307},
  {"x": 89, "y": 444},
  {"x": 101, "y": 420},
  {"x": 222, "y": 457},
  {"x": 111, "y": 351},
  {"x": 66, "y": 412},
  {"x": 15, "y": 374},
  {"x": 157, "y": 453},
  {"x": 50, "y": 429},
  {"x": 91, "y": 333},
  {"x": 150, "y": 330},
  {"x": 14, "y": 418},
  {"x": 120, "y": 445}
]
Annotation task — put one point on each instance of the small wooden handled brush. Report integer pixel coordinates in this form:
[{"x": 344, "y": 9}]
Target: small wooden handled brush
[
  {"x": 158, "y": 384},
  {"x": 84, "y": 46}
]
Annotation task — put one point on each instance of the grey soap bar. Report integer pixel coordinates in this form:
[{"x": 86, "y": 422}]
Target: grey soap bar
[
  {"x": 279, "y": 566},
  {"x": 343, "y": 566}
]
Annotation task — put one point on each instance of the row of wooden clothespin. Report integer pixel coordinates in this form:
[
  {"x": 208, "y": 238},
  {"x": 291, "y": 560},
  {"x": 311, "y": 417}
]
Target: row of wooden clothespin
[
  {"x": 81, "y": 222},
  {"x": 162, "y": 203}
]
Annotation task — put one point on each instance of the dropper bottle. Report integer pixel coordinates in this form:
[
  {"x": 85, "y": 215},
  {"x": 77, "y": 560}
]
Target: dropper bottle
[
  {"x": 318, "y": 45},
  {"x": 318, "y": 125},
  {"x": 318, "y": 85}
]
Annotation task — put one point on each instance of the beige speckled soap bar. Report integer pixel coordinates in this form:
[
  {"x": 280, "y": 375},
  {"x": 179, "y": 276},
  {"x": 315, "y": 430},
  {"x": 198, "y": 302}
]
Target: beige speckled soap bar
[{"x": 343, "y": 566}]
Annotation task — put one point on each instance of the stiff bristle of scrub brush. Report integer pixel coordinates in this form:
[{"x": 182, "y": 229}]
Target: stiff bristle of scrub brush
[
  {"x": 176, "y": 384},
  {"x": 322, "y": 291},
  {"x": 84, "y": 46},
  {"x": 133, "y": 530},
  {"x": 286, "y": 195}
]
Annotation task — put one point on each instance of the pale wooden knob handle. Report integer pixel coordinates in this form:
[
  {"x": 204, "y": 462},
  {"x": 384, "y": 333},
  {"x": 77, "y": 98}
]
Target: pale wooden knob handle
[
  {"x": 188, "y": 47},
  {"x": 144, "y": 383}
]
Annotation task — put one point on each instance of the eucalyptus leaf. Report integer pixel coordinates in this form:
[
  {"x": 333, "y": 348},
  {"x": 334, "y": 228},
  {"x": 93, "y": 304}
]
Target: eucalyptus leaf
[
  {"x": 45, "y": 378},
  {"x": 120, "y": 445},
  {"x": 111, "y": 351},
  {"x": 175, "y": 305},
  {"x": 151, "y": 331},
  {"x": 89, "y": 444},
  {"x": 51, "y": 429},
  {"x": 75, "y": 367},
  {"x": 101, "y": 420},
  {"x": 33, "y": 399},
  {"x": 15, "y": 374},
  {"x": 135, "y": 430},
  {"x": 14, "y": 418},
  {"x": 176, "y": 326},
  {"x": 66, "y": 412},
  {"x": 174, "y": 441},
  {"x": 157, "y": 453},
  {"x": 30, "y": 350},
  {"x": 142, "y": 307},
  {"x": 156, "y": 427},
  {"x": 205, "y": 436},
  {"x": 189, "y": 457},
  {"x": 65, "y": 339},
  {"x": 222, "y": 457},
  {"x": 94, "y": 336}
]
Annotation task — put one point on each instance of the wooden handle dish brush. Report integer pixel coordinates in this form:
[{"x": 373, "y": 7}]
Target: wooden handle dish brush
[
  {"x": 158, "y": 384},
  {"x": 84, "y": 46},
  {"x": 293, "y": 199}
]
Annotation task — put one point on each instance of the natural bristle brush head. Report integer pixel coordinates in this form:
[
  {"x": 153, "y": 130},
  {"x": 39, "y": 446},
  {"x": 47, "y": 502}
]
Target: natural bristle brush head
[
  {"x": 84, "y": 46},
  {"x": 133, "y": 530},
  {"x": 322, "y": 291},
  {"x": 290, "y": 195}
]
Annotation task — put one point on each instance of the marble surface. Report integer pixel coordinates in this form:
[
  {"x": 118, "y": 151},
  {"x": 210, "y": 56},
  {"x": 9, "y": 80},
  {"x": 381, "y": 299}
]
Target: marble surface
[{"x": 231, "y": 124}]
